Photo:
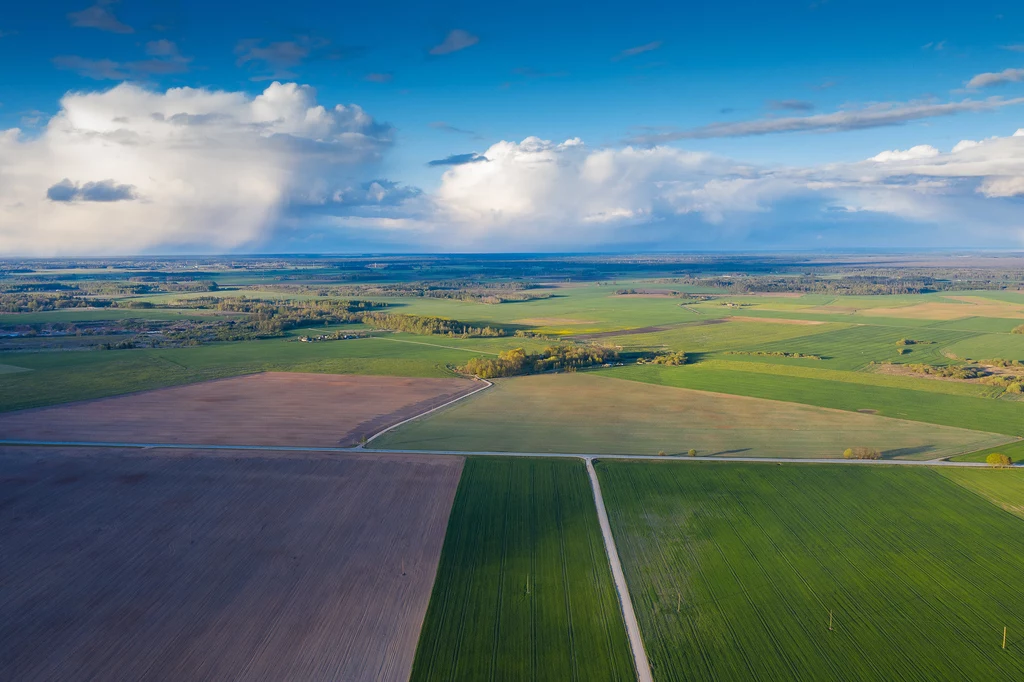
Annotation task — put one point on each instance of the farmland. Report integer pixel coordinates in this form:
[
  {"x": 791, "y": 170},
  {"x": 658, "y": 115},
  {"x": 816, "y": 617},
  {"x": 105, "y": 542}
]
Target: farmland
[
  {"x": 192, "y": 565},
  {"x": 734, "y": 569},
  {"x": 523, "y": 591},
  {"x": 61, "y": 377},
  {"x": 261, "y": 409},
  {"x": 989, "y": 346},
  {"x": 983, "y": 414},
  {"x": 246, "y": 564},
  {"x": 589, "y": 413},
  {"x": 1013, "y": 450},
  {"x": 1002, "y": 487}
]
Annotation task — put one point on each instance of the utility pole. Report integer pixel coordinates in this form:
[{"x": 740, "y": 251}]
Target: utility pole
[
  {"x": 830, "y": 619},
  {"x": 679, "y": 601},
  {"x": 1004, "y": 636}
]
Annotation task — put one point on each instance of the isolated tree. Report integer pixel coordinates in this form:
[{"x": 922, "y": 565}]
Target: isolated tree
[
  {"x": 998, "y": 460},
  {"x": 661, "y": 453},
  {"x": 692, "y": 453}
]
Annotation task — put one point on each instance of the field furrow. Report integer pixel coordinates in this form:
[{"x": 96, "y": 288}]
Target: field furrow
[
  {"x": 538, "y": 602},
  {"x": 902, "y": 559}
]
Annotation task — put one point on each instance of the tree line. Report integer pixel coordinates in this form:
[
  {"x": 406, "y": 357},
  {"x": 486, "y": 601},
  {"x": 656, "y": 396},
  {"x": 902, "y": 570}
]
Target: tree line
[
  {"x": 517, "y": 361},
  {"x": 849, "y": 285},
  {"x": 422, "y": 324}
]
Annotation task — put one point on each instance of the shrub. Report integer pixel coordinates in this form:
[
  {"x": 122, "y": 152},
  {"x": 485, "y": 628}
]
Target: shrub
[
  {"x": 692, "y": 453},
  {"x": 661, "y": 453},
  {"x": 676, "y": 358},
  {"x": 861, "y": 453},
  {"x": 997, "y": 459},
  {"x": 1019, "y": 329}
]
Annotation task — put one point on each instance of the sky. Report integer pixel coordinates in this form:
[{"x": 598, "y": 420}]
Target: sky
[{"x": 174, "y": 126}]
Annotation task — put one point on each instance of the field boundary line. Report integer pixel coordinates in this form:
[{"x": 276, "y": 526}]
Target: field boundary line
[
  {"x": 636, "y": 642},
  {"x": 434, "y": 345},
  {"x": 492, "y": 453},
  {"x": 487, "y": 385}
]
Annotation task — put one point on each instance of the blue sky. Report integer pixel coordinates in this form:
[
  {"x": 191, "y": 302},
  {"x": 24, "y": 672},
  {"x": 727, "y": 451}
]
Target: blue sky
[{"x": 453, "y": 79}]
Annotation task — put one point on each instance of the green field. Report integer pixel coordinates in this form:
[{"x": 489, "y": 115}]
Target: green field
[
  {"x": 713, "y": 335},
  {"x": 1002, "y": 487},
  {"x": 983, "y": 414},
  {"x": 856, "y": 347},
  {"x": 1014, "y": 450},
  {"x": 523, "y": 590},
  {"x": 811, "y": 370},
  {"x": 854, "y": 335},
  {"x": 589, "y": 413},
  {"x": 991, "y": 346},
  {"x": 68, "y": 315},
  {"x": 63, "y": 377},
  {"x": 734, "y": 568},
  {"x": 980, "y": 324}
]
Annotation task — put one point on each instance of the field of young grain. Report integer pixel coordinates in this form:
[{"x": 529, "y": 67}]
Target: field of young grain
[
  {"x": 1014, "y": 450},
  {"x": 1002, "y": 487},
  {"x": 523, "y": 590},
  {"x": 855, "y": 347},
  {"x": 717, "y": 334},
  {"x": 990, "y": 346},
  {"x": 967, "y": 412},
  {"x": 734, "y": 570},
  {"x": 812, "y": 370},
  {"x": 590, "y": 413}
]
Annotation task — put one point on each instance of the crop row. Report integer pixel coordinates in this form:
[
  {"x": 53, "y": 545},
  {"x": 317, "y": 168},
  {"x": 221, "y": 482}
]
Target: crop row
[
  {"x": 734, "y": 570},
  {"x": 523, "y": 590}
]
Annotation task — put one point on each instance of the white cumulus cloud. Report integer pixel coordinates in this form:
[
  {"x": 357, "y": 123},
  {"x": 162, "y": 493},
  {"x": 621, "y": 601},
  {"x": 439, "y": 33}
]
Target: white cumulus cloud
[
  {"x": 537, "y": 192},
  {"x": 921, "y": 151},
  {"x": 540, "y": 192},
  {"x": 129, "y": 170}
]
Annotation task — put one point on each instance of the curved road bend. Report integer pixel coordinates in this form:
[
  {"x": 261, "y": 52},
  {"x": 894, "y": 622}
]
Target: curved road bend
[
  {"x": 487, "y": 385},
  {"x": 636, "y": 643}
]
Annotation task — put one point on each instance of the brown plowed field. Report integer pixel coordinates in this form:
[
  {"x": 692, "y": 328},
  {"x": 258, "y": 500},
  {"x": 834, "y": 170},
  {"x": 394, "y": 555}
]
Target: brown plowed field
[
  {"x": 276, "y": 408},
  {"x": 191, "y": 565}
]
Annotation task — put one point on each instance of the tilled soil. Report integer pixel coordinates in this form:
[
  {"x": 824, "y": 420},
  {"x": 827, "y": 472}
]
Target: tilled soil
[
  {"x": 275, "y": 408},
  {"x": 193, "y": 565}
]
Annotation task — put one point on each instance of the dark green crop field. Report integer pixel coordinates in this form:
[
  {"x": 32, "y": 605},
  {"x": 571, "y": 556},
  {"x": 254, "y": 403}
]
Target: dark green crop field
[
  {"x": 734, "y": 568},
  {"x": 523, "y": 590},
  {"x": 1002, "y": 487}
]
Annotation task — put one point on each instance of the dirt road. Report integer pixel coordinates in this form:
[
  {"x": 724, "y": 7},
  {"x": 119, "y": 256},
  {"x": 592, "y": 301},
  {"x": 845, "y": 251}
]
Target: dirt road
[{"x": 636, "y": 643}]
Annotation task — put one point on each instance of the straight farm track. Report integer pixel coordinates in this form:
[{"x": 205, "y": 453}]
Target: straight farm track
[
  {"x": 524, "y": 590},
  {"x": 734, "y": 569}
]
